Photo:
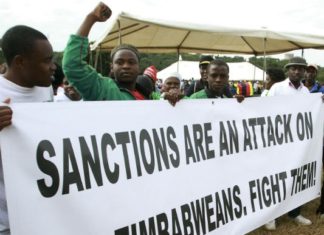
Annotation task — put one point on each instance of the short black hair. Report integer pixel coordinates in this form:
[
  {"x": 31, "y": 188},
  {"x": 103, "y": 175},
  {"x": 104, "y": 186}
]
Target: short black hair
[
  {"x": 19, "y": 40},
  {"x": 219, "y": 62},
  {"x": 276, "y": 75},
  {"x": 146, "y": 85},
  {"x": 58, "y": 76},
  {"x": 124, "y": 47}
]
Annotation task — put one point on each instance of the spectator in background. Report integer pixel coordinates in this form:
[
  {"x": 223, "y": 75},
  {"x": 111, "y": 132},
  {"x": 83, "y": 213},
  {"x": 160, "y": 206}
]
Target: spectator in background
[
  {"x": 57, "y": 78},
  {"x": 310, "y": 79},
  {"x": 146, "y": 86},
  {"x": 67, "y": 93},
  {"x": 217, "y": 78},
  {"x": 172, "y": 82},
  {"x": 273, "y": 76},
  {"x": 245, "y": 88},
  {"x": 28, "y": 55},
  {"x": 3, "y": 68},
  {"x": 171, "y": 88},
  {"x": 151, "y": 72},
  {"x": 202, "y": 83},
  {"x": 184, "y": 86}
]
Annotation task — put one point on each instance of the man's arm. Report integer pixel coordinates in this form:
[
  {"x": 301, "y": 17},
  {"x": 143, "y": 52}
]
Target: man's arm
[
  {"x": 79, "y": 73},
  {"x": 101, "y": 13}
]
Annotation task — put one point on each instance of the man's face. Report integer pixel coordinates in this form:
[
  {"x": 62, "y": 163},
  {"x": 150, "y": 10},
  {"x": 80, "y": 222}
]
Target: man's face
[
  {"x": 203, "y": 71},
  {"x": 38, "y": 67},
  {"x": 217, "y": 78},
  {"x": 70, "y": 91},
  {"x": 268, "y": 82},
  {"x": 125, "y": 66},
  {"x": 171, "y": 83},
  {"x": 310, "y": 73},
  {"x": 296, "y": 73}
]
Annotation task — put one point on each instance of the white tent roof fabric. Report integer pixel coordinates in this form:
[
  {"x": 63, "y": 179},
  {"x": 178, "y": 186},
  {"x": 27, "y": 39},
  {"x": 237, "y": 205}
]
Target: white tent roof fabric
[
  {"x": 160, "y": 35},
  {"x": 190, "y": 69}
]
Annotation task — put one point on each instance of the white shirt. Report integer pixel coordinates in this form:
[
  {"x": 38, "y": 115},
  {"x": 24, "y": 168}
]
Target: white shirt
[
  {"x": 17, "y": 94},
  {"x": 61, "y": 96},
  {"x": 264, "y": 93},
  {"x": 287, "y": 88}
]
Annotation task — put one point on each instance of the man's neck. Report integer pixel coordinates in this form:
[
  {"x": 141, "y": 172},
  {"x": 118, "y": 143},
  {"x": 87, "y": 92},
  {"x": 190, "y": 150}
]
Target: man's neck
[
  {"x": 15, "y": 78},
  {"x": 127, "y": 85},
  {"x": 309, "y": 83},
  {"x": 213, "y": 94},
  {"x": 295, "y": 83}
]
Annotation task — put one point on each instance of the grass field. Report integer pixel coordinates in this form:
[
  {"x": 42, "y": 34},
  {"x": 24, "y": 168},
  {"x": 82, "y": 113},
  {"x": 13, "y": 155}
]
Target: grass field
[{"x": 286, "y": 227}]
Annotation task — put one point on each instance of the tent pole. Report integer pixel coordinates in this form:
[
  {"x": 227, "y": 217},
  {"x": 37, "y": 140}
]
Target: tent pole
[
  {"x": 178, "y": 55},
  {"x": 96, "y": 58},
  {"x": 264, "y": 58},
  {"x": 119, "y": 33}
]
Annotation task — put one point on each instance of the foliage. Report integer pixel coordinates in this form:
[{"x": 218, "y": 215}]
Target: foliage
[
  {"x": 270, "y": 62},
  {"x": 161, "y": 61}
]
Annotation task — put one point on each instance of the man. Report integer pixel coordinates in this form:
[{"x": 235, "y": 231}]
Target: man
[
  {"x": 292, "y": 85},
  {"x": 67, "y": 93},
  {"x": 28, "y": 55},
  {"x": 310, "y": 79},
  {"x": 273, "y": 76},
  {"x": 151, "y": 73},
  {"x": 201, "y": 84},
  {"x": 217, "y": 80},
  {"x": 172, "y": 82},
  {"x": 92, "y": 85}
]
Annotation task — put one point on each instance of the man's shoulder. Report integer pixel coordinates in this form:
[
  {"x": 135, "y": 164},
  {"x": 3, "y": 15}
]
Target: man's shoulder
[
  {"x": 199, "y": 95},
  {"x": 319, "y": 87}
]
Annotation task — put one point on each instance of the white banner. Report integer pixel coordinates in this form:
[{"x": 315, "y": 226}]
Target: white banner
[{"x": 203, "y": 167}]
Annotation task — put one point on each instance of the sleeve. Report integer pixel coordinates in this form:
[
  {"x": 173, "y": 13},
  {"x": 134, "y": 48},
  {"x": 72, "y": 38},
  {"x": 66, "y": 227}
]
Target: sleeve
[
  {"x": 91, "y": 84},
  {"x": 272, "y": 91}
]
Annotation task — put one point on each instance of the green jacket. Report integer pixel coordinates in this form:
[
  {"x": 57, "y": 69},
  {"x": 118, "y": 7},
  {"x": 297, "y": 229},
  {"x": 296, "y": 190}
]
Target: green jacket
[
  {"x": 205, "y": 94},
  {"x": 91, "y": 84}
]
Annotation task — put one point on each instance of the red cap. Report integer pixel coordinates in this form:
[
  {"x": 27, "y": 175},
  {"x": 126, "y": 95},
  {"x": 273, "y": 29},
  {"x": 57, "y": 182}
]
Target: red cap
[{"x": 151, "y": 72}]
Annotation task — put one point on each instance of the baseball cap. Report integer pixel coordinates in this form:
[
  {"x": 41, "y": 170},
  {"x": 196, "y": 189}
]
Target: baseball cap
[
  {"x": 205, "y": 59},
  {"x": 313, "y": 66},
  {"x": 151, "y": 72}
]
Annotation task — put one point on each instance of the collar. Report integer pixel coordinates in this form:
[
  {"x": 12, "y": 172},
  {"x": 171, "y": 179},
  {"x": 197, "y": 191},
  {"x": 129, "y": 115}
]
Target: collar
[
  {"x": 290, "y": 84},
  {"x": 211, "y": 94}
]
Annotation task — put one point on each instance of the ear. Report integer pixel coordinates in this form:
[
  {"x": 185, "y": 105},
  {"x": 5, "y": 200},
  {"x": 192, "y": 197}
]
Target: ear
[{"x": 18, "y": 61}]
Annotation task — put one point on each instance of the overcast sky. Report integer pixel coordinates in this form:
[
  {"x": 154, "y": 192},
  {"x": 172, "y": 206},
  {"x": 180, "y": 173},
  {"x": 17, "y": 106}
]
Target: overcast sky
[{"x": 58, "y": 19}]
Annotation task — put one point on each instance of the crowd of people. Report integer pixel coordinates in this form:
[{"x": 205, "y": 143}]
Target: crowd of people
[{"x": 30, "y": 75}]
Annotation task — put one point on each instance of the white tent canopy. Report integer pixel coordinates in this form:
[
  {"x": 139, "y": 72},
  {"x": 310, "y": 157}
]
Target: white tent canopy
[
  {"x": 190, "y": 69},
  {"x": 160, "y": 32}
]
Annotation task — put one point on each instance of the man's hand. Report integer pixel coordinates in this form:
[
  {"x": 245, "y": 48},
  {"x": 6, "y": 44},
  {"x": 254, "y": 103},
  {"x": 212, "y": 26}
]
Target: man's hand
[
  {"x": 173, "y": 96},
  {"x": 5, "y": 115},
  {"x": 239, "y": 98},
  {"x": 101, "y": 12}
]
